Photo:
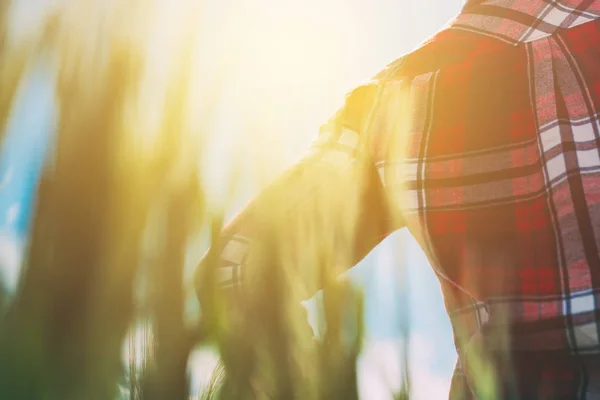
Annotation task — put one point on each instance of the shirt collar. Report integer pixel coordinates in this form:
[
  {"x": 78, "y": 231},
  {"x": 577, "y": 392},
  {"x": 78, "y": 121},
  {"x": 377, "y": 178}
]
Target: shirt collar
[{"x": 518, "y": 21}]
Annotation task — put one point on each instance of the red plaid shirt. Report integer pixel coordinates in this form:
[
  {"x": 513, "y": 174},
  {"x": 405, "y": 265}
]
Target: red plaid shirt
[{"x": 486, "y": 141}]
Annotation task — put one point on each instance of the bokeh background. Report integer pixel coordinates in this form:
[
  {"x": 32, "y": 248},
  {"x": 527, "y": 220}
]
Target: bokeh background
[{"x": 280, "y": 68}]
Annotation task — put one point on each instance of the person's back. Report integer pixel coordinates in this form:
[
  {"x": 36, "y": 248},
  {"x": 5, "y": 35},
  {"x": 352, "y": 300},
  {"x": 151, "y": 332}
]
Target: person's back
[{"x": 486, "y": 141}]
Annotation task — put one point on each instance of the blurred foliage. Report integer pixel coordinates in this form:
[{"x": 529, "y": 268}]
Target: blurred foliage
[{"x": 111, "y": 211}]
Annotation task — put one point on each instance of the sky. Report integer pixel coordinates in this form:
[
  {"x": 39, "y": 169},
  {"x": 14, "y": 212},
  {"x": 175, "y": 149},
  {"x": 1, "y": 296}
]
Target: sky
[
  {"x": 287, "y": 66},
  {"x": 322, "y": 50}
]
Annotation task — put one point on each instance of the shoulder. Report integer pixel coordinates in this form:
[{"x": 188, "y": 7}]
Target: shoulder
[{"x": 447, "y": 47}]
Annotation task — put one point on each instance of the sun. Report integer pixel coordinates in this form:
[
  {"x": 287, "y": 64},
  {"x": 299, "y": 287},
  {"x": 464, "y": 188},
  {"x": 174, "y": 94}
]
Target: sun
[{"x": 277, "y": 71}]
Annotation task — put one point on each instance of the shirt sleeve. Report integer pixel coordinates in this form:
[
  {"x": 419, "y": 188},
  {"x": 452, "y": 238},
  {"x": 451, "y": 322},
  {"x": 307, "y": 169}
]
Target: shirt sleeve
[{"x": 329, "y": 210}]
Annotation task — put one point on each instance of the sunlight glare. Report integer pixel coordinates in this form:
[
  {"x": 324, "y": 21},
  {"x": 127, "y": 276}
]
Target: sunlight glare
[{"x": 282, "y": 74}]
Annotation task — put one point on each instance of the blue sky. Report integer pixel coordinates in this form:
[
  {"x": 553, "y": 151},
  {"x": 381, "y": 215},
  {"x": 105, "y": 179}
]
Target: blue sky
[
  {"x": 26, "y": 142},
  {"x": 366, "y": 36}
]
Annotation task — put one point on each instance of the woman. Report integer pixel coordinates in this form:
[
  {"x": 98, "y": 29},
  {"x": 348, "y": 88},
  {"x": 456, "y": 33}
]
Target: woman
[{"x": 484, "y": 143}]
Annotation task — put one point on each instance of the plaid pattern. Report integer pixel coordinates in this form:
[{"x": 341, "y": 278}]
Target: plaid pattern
[
  {"x": 518, "y": 21},
  {"x": 486, "y": 139}
]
